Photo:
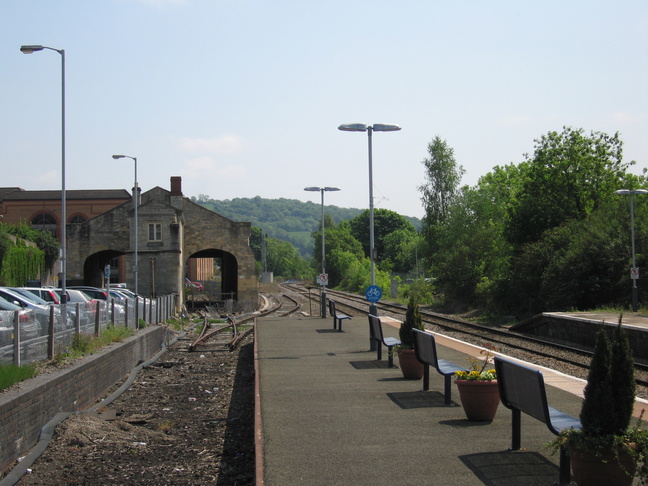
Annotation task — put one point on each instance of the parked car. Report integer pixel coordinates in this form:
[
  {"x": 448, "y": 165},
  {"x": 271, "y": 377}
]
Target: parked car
[
  {"x": 195, "y": 285},
  {"x": 25, "y": 301},
  {"x": 92, "y": 292},
  {"x": 41, "y": 308},
  {"x": 26, "y": 319},
  {"x": 44, "y": 293},
  {"x": 75, "y": 295},
  {"x": 119, "y": 297}
]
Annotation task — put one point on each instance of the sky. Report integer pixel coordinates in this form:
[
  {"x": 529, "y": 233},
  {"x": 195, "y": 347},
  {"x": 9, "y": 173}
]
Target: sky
[{"x": 243, "y": 98}]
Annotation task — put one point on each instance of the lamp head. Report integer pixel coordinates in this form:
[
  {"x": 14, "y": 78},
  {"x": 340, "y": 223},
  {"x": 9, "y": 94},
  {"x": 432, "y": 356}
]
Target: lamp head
[
  {"x": 118, "y": 157},
  {"x": 353, "y": 127},
  {"x": 312, "y": 188},
  {"x": 28, "y": 49},
  {"x": 331, "y": 188},
  {"x": 385, "y": 127},
  {"x": 625, "y": 192}
]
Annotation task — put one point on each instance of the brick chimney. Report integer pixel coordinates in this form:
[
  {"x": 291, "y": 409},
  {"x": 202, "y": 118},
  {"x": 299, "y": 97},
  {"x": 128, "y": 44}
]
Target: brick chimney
[{"x": 176, "y": 186}]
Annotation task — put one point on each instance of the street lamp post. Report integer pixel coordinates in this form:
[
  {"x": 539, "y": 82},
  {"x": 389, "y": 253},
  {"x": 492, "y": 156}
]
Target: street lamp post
[
  {"x": 28, "y": 49},
  {"x": 377, "y": 127},
  {"x": 322, "y": 191},
  {"x": 634, "y": 274},
  {"x": 135, "y": 205}
]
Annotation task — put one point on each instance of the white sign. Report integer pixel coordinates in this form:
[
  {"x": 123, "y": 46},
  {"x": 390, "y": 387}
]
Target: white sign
[
  {"x": 322, "y": 279},
  {"x": 634, "y": 273}
]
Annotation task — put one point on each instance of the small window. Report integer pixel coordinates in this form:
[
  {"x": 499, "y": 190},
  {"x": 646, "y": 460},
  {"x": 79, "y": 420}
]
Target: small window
[
  {"x": 44, "y": 222},
  {"x": 155, "y": 232},
  {"x": 78, "y": 219}
]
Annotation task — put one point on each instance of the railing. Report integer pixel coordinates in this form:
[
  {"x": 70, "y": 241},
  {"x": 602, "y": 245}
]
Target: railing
[{"x": 35, "y": 335}]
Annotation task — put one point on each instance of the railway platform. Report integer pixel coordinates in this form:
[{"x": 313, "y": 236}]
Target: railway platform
[{"x": 330, "y": 414}]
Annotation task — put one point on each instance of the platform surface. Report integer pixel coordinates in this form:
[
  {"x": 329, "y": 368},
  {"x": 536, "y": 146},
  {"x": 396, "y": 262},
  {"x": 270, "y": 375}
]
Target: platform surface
[{"x": 333, "y": 415}]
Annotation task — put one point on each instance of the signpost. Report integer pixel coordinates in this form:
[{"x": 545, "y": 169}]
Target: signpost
[{"x": 373, "y": 295}]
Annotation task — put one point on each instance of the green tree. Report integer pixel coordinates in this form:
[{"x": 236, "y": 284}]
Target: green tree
[
  {"x": 569, "y": 175},
  {"x": 341, "y": 248},
  {"x": 386, "y": 222},
  {"x": 438, "y": 193}
]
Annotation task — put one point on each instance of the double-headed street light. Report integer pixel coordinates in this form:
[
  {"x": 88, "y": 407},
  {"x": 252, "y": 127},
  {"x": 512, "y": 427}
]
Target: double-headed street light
[
  {"x": 378, "y": 127},
  {"x": 323, "y": 190},
  {"x": 135, "y": 204},
  {"x": 28, "y": 49},
  {"x": 634, "y": 273}
]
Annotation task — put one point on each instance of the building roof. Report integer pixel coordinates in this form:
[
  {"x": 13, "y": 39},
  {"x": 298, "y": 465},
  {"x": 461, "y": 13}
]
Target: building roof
[
  {"x": 18, "y": 194},
  {"x": 8, "y": 190}
]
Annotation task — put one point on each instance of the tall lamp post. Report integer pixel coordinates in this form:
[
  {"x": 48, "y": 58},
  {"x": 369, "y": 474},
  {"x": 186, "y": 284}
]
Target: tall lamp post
[
  {"x": 28, "y": 49},
  {"x": 135, "y": 204},
  {"x": 377, "y": 127},
  {"x": 323, "y": 190},
  {"x": 634, "y": 273}
]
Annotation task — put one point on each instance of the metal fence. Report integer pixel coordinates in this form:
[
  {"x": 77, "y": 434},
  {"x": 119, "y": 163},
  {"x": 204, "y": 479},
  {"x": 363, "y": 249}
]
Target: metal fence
[{"x": 35, "y": 335}]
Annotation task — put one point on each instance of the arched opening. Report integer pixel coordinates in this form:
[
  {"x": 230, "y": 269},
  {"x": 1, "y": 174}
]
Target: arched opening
[
  {"x": 217, "y": 272},
  {"x": 94, "y": 269}
]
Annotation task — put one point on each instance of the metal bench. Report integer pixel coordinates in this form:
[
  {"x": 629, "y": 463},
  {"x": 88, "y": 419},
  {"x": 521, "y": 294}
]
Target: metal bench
[
  {"x": 522, "y": 389},
  {"x": 338, "y": 317},
  {"x": 376, "y": 334},
  {"x": 426, "y": 353}
]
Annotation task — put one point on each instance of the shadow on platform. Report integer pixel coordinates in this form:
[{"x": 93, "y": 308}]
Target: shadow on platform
[
  {"x": 419, "y": 399},
  {"x": 507, "y": 468}
]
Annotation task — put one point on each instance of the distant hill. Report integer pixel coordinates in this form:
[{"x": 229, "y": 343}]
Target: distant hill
[{"x": 285, "y": 219}]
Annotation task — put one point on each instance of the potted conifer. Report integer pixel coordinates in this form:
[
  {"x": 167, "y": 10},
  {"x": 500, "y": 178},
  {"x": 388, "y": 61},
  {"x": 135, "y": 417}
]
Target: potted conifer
[
  {"x": 411, "y": 367},
  {"x": 607, "y": 449}
]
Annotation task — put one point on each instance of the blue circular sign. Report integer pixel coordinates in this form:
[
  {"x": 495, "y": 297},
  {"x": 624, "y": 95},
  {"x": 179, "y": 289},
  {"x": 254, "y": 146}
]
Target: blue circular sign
[{"x": 373, "y": 293}]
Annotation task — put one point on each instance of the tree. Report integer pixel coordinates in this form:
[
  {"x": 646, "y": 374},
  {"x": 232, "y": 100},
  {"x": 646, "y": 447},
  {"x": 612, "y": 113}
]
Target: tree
[
  {"x": 386, "y": 222},
  {"x": 340, "y": 246},
  {"x": 442, "y": 176},
  {"x": 569, "y": 175}
]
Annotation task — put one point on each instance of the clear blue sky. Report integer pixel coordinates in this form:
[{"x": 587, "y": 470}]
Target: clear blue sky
[{"x": 243, "y": 98}]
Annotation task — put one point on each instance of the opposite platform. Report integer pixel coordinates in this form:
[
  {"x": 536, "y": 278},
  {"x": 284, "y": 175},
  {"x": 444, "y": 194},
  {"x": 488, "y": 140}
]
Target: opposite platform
[{"x": 332, "y": 415}]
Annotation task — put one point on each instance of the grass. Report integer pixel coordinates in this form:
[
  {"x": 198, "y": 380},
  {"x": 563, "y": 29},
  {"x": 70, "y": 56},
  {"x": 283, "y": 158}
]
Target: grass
[
  {"x": 83, "y": 344},
  {"x": 10, "y": 374}
]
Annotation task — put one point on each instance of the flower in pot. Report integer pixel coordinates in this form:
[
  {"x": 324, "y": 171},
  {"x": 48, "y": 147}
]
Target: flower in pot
[
  {"x": 607, "y": 449},
  {"x": 478, "y": 388},
  {"x": 411, "y": 367}
]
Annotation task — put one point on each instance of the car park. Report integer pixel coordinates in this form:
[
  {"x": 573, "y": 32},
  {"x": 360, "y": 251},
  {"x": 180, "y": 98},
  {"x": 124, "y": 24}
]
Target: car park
[{"x": 41, "y": 308}]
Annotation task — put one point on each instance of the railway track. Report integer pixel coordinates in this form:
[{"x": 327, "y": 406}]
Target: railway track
[
  {"x": 271, "y": 304},
  {"x": 568, "y": 359}
]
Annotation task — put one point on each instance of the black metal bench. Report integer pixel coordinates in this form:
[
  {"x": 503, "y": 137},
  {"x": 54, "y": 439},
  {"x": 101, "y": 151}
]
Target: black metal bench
[
  {"x": 522, "y": 389},
  {"x": 426, "y": 353},
  {"x": 338, "y": 317},
  {"x": 376, "y": 334}
]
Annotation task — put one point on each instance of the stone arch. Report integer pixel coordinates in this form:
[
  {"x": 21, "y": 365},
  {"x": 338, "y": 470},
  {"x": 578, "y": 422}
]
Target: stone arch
[
  {"x": 94, "y": 265},
  {"x": 223, "y": 283}
]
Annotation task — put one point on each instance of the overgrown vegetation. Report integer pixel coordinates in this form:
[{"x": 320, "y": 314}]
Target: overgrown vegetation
[
  {"x": 11, "y": 374},
  {"x": 20, "y": 262},
  {"x": 83, "y": 344}
]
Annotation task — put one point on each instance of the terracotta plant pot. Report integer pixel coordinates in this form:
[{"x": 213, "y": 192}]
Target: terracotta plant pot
[
  {"x": 411, "y": 367},
  {"x": 480, "y": 398},
  {"x": 589, "y": 470}
]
